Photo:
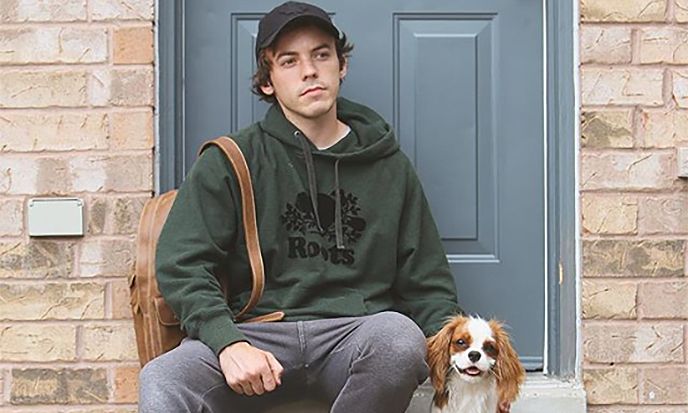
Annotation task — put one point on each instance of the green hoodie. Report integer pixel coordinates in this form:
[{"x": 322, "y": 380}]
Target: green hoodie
[{"x": 372, "y": 246}]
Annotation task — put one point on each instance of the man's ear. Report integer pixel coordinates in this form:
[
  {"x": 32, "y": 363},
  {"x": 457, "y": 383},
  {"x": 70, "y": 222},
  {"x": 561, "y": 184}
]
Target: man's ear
[
  {"x": 342, "y": 70},
  {"x": 268, "y": 89}
]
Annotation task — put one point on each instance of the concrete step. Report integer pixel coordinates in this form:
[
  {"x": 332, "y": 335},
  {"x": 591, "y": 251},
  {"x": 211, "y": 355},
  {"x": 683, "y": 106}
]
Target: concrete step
[{"x": 540, "y": 394}]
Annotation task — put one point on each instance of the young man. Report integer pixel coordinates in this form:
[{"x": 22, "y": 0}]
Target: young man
[{"x": 352, "y": 255}]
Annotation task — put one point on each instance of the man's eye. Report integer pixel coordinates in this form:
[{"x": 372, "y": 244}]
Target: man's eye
[
  {"x": 322, "y": 55},
  {"x": 287, "y": 62}
]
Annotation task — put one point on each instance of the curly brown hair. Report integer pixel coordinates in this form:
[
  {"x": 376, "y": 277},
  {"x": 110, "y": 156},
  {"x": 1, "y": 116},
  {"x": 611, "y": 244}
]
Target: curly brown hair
[{"x": 262, "y": 75}]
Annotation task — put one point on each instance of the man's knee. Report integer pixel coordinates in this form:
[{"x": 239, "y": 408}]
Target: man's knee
[
  {"x": 175, "y": 378},
  {"x": 152, "y": 386},
  {"x": 398, "y": 342}
]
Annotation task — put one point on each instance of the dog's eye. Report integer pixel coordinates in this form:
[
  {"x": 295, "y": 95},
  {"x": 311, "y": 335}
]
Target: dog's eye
[
  {"x": 490, "y": 349},
  {"x": 460, "y": 342}
]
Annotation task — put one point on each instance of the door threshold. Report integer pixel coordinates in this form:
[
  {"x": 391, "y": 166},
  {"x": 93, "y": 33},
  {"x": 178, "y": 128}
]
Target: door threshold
[{"x": 540, "y": 393}]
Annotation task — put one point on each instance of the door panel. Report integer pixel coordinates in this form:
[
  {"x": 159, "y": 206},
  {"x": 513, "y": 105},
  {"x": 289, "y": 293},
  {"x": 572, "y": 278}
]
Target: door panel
[{"x": 462, "y": 84}]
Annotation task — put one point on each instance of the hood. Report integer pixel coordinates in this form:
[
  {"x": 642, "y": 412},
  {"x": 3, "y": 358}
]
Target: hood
[{"x": 372, "y": 139}]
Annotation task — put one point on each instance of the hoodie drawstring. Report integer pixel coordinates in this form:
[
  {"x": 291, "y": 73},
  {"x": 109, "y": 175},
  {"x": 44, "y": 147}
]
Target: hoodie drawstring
[
  {"x": 338, "y": 230},
  {"x": 313, "y": 190},
  {"x": 310, "y": 171}
]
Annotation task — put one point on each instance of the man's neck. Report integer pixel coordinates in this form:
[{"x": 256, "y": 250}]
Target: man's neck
[{"x": 323, "y": 132}]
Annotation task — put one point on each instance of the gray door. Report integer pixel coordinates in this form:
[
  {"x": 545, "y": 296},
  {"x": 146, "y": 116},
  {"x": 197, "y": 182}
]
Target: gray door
[{"x": 462, "y": 83}]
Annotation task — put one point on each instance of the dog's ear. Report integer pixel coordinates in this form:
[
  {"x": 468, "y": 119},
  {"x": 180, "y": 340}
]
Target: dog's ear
[
  {"x": 438, "y": 360},
  {"x": 508, "y": 369}
]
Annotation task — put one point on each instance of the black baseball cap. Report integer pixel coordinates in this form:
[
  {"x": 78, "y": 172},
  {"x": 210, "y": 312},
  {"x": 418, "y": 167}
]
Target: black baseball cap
[{"x": 279, "y": 17}]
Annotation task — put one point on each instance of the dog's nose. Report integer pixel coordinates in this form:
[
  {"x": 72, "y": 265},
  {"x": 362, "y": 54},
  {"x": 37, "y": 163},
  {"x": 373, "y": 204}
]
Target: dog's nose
[{"x": 474, "y": 356}]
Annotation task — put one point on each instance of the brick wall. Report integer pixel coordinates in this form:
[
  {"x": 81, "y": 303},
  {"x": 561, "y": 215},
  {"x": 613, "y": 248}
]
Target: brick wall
[
  {"x": 634, "y": 92},
  {"x": 76, "y": 119}
]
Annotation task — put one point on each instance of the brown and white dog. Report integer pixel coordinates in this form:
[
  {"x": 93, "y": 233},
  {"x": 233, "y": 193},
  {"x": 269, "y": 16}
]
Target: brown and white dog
[{"x": 473, "y": 367}]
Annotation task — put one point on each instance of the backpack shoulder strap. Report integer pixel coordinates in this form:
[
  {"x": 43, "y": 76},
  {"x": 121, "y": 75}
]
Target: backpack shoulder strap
[{"x": 248, "y": 208}]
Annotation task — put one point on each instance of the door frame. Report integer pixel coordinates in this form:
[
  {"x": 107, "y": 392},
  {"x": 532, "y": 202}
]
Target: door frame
[{"x": 562, "y": 332}]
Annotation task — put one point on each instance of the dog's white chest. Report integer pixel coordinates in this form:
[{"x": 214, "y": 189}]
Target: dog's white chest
[{"x": 467, "y": 397}]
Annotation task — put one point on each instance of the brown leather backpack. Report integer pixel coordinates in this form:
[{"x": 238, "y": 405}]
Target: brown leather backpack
[{"x": 156, "y": 326}]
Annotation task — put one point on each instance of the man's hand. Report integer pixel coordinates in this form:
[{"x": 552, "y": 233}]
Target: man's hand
[
  {"x": 504, "y": 407},
  {"x": 249, "y": 370}
]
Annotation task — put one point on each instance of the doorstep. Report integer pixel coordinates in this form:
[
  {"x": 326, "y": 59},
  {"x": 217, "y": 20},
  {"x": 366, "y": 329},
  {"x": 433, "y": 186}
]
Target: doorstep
[{"x": 539, "y": 394}]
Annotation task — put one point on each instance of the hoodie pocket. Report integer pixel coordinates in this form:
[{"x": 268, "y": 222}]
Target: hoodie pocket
[
  {"x": 349, "y": 304},
  {"x": 298, "y": 302}
]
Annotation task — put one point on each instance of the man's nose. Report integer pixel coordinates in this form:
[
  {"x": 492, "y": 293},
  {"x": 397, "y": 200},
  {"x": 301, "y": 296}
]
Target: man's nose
[
  {"x": 474, "y": 356},
  {"x": 308, "y": 69}
]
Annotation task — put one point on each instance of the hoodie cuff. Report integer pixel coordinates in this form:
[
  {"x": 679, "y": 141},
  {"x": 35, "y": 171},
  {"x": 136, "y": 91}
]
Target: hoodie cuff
[{"x": 219, "y": 333}]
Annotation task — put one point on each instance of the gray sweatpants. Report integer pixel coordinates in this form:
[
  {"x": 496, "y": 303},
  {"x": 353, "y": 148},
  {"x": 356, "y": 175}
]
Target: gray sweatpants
[{"x": 369, "y": 364}]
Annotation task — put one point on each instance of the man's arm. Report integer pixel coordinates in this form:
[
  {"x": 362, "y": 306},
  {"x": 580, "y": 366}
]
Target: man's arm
[
  {"x": 200, "y": 229},
  {"x": 424, "y": 281},
  {"x": 194, "y": 241}
]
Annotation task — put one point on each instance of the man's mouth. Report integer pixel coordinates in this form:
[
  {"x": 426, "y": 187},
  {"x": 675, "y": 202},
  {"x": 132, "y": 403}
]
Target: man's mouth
[{"x": 312, "y": 89}]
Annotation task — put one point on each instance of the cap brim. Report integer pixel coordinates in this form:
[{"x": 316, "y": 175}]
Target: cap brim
[{"x": 315, "y": 19}]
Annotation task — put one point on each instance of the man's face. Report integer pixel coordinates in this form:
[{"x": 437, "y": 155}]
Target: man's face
[{"x": 304, "y": 73}]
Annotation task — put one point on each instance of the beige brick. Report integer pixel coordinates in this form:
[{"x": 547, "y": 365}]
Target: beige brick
[
  {"x": 663, "y": 214},
  {"x": 108, "y": 343},
  {"x": 607, "y": 129},
  {"x": 107, "y": 258},
  {"x": 133, "y": 45},
  {"x": 114, "y": 215},
  {"x": 51, "y": 176},
  {"x": 665, "y": 385},
  {"x": 622, "y": 10},
  {"x": 627, "y": 170},
  {"x": 52, "y": 301},
  {"x": 37, "y": 343},
  {"x": 53, "y": 131},
  {"x": 126, "y": 173},
  {"x": 126, "y": 384},
  {"x": 76, "y": 173},
  {"x": 663, "y": 45},
  {"x": 605, "y": 44},
  {"x": 663, "y": 299},
  {"x": 663, "y": 128},
  {"x": 622, "y": 258},
  {"x": 605, "y": 214},
  {"x": 53, "y": 45},
  {"x": 609, "y": 300},
  {"x": 613, "y": 343},
  {"x": 11, "y": 217},
  {"x": 681, "y": 88},
  {"x": 24, "y": 88},
  {"x": 132, "y": 87},
  {"x": 36, "y": 259},
  {"x": 122, "y": 87},
  {"x": 681, "y": 10},
  {"x": 42, "y": 10},
  {"x": 99, "y": 87},
  {"x": 63, "y": 386},
  {"x": 121, "y": 307},
  {"x": 131, "y": 130},
  {"x": 122, "y": 9},
  {"x": 131, "y": 173},
  {"x": 609, "y": 386},
  {"x": 621, "y": 86}
]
